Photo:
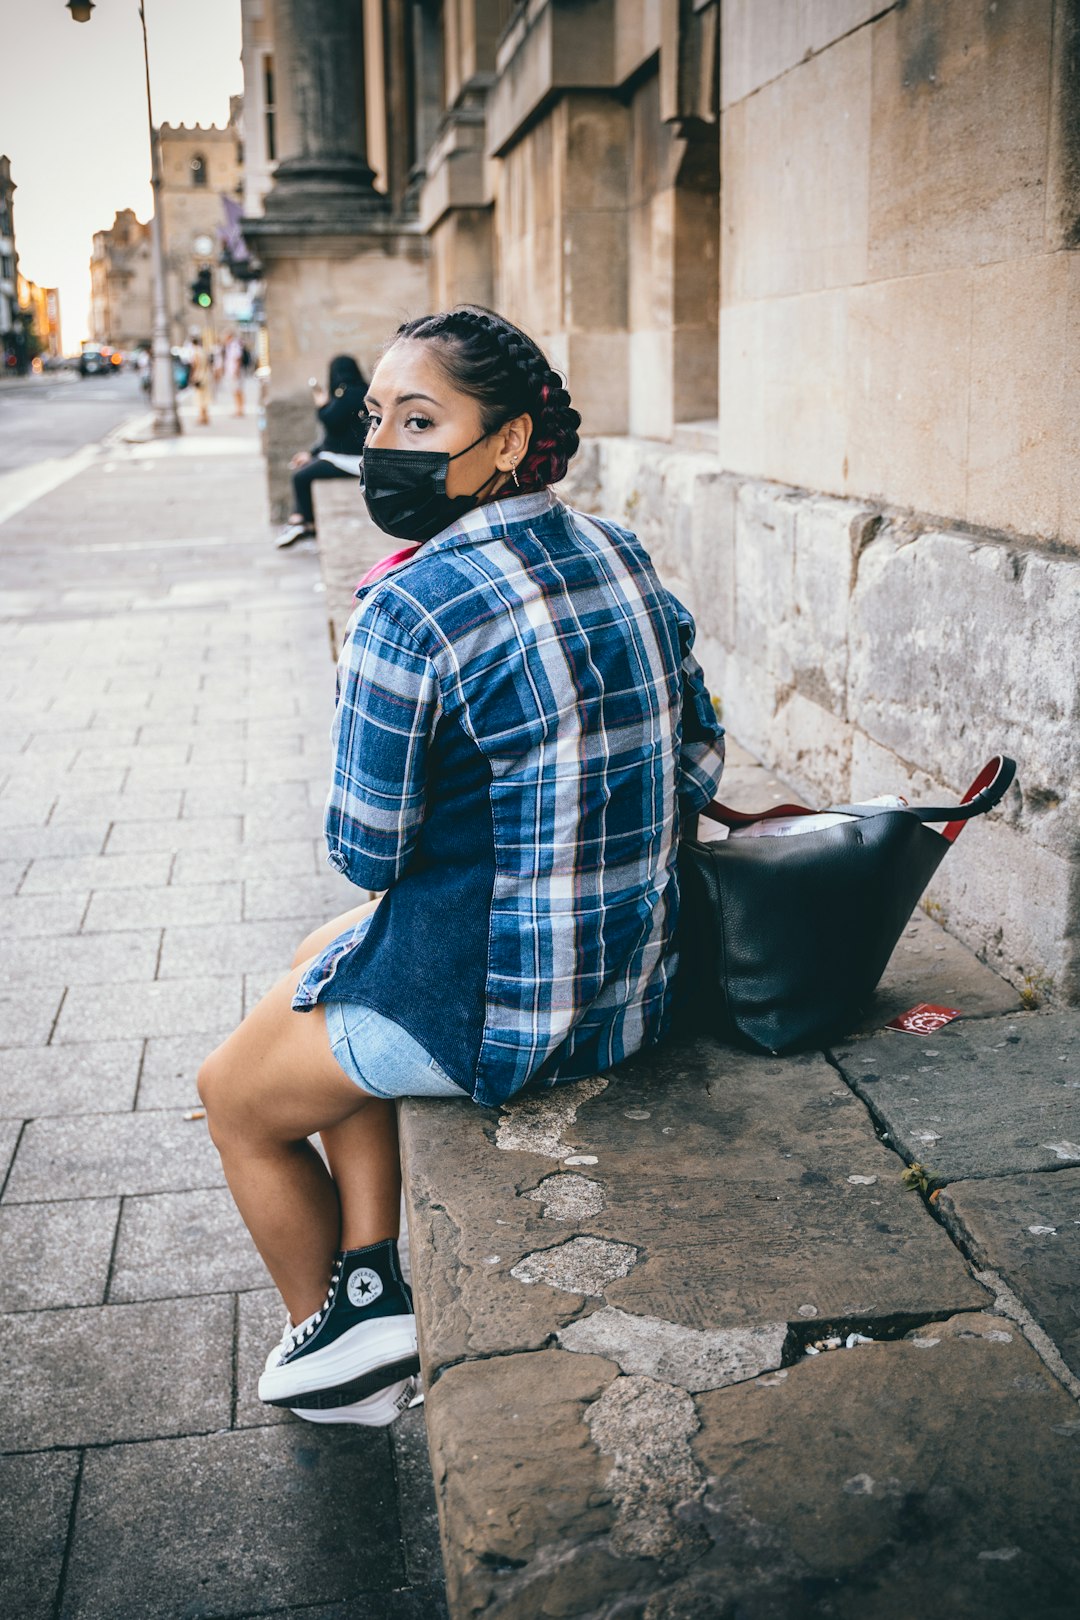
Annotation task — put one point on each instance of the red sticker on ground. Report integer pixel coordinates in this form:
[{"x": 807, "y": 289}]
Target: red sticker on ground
[{"x": 923, "y": 1019}]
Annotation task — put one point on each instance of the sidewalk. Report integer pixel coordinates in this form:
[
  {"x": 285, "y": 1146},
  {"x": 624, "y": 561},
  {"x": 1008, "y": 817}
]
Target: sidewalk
[{"x": 164, "y": 758}]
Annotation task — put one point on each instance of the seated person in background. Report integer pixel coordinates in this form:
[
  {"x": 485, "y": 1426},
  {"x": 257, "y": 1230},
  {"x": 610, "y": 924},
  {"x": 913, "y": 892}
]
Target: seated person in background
[{"x": 339, "y": 408}]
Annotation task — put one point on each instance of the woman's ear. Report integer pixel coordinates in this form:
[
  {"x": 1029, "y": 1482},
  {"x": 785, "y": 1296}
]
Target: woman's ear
[{"x": 513, "y": 442}]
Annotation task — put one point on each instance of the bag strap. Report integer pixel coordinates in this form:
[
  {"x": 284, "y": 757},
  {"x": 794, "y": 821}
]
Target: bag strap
[{"x": 987, "y": 790}]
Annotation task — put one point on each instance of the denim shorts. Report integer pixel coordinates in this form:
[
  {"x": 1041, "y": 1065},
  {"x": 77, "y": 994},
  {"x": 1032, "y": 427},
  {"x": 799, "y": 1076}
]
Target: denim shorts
[{"x": 381, "y": 1057}]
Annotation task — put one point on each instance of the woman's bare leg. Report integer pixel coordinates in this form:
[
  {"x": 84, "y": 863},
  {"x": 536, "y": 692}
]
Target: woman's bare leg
[
  {"x": 269, "y": 1087},
  {"x": 362, "y": 1151},
  {"x": 363, "y": 1156}
]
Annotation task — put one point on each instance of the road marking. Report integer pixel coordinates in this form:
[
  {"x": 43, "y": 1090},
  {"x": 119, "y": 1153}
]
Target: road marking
[{"x": 25, "y": 485}]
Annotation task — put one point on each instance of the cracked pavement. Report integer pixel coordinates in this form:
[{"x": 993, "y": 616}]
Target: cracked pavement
[{"x": 696, "y": 1350}]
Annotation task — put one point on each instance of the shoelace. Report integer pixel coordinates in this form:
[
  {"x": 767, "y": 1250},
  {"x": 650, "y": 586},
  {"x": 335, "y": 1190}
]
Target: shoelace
[{"x": 294, "y": 1337}]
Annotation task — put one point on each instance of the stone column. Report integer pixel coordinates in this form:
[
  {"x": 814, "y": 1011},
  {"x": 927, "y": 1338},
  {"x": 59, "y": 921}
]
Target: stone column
[
  {"x": 342, "y": 266},
  {"x": 319, "y": 46}
]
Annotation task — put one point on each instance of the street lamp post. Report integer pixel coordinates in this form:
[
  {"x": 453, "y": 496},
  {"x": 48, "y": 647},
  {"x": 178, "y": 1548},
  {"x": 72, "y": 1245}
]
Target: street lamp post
[{"x": 162, "y": 382}]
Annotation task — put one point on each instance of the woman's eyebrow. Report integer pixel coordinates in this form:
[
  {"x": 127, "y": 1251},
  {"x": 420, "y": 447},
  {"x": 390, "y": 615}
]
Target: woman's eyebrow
[{"x": 402, "y": 399}]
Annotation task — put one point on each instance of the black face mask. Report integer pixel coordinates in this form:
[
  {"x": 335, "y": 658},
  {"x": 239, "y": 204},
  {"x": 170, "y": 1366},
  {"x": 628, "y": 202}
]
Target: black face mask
[{"x": 405, "y": 491}]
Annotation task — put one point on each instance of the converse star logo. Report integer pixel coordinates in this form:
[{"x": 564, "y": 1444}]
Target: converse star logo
[{"x": 364, "y": 1286}]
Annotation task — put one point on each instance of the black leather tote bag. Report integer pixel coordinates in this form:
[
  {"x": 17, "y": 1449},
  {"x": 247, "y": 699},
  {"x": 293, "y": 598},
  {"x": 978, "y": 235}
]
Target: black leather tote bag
[{"x": 783, "y": 940}]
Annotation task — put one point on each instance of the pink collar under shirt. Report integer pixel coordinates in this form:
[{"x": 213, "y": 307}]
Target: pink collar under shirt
[{"x": 384, "y": 565}]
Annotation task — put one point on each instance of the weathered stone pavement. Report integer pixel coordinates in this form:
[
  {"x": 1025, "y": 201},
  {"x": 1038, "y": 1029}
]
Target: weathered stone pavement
[
  {"x": 163, "y": 761},
  {"x": 695, "y": 1350}
]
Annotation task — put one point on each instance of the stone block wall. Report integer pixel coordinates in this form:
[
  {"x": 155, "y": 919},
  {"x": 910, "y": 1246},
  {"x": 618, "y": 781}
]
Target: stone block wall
[
  {"x": 900, "y": 306},
  {"x": 859, "y": 651}
]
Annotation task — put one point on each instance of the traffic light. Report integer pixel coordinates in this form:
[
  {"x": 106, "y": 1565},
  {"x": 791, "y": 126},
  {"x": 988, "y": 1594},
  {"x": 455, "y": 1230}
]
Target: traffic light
[{"x": 202, "y": 291}]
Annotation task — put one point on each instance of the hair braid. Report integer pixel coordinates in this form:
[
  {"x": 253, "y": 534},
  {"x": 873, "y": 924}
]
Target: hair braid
[{"x": 501, "y": 367}]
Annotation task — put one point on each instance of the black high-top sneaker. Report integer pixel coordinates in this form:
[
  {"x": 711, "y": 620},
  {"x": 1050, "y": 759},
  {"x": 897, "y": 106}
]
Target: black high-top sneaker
[{"x": 361, "y": 1339}]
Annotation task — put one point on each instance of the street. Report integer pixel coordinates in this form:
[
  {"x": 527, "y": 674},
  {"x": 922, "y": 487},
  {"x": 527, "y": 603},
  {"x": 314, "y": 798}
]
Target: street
[{"x": 56, "y": 414}]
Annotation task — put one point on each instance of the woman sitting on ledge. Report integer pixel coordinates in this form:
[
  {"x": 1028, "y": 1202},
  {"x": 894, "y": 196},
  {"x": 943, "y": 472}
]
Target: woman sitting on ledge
[
  {"x": 520, "y": 728},
  {"x": 339, "y": 408}
]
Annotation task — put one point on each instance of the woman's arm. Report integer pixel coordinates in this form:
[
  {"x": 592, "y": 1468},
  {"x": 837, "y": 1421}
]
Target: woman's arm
[
  {"x": 701, "y": 758},
  {"x": 388, "y": 708}
]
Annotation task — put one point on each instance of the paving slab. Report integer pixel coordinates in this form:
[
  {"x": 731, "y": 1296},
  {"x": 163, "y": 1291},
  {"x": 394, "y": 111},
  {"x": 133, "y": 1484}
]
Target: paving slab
[
  {"x": 27, "y": 1018},
  {"x": 310, "y": 900},
  {"x": 164, "y": 906},
  {"x": 411, "y": 1603},
  {"x": 118, "y": 807},
  {"x": 183, "y": 1243},
  {"x": 915, "y": 1482},
  {"x": 90, "y": 1079},
  {"x": 722, "y": 1191},
  {"x": 51, "y": 874},
  {"x": 260, "y": 1318},
  {"x": 110, "y": 1155},
  {"x": 280, "y": 860},
  {"x": 116, "y": 1372},
  {"x": 61, "y": 741},
  {"x": 27, "y": 915},
  {"x": 230, "y": 947},
  {"x": 11, "y": 875},
  {"x": 82, "y": 838},
  {"x": 224, "y": 798},
  {"x": 838, "y": 1486},
  {"x": 56, "y": 1254},
  {"x": 35, "y": 1507},
  {"x": 416, "y": 1494},
  {"x": 171, "y": 1068},
  {"x": 1027, "y": 1229},
  {"x": 988, "y": 1098},
  {"x": 318, "y": 1525},
  {"x": 155, "y": 1007},
  {"x": 10, "y": 1132},
  {"x": 202, "y": 832},
  {"x": 307, "y": 823},
  {"x": 117, "y": 957},
  {"x": 217, "y": 779}
]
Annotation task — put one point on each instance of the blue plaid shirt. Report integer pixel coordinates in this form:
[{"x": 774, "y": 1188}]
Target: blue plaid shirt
[{"x": 520, "y": 726}]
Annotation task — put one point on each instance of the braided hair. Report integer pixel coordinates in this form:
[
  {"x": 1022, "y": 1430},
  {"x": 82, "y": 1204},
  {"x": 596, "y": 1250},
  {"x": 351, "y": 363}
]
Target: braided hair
[{"x": 498, "y": 365}]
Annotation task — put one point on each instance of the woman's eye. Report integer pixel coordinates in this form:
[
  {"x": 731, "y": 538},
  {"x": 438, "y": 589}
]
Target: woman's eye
[
  {"x": 368, "y": 422},
  {"x": 420, "y": 422}
]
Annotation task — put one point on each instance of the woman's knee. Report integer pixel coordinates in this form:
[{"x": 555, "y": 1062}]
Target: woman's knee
[{"x": 212, "y": 1084}]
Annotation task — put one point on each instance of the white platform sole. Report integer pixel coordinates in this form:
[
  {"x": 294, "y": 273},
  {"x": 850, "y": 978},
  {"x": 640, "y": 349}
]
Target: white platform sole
[
  {"x": 377, "y": 1412},
  {"x": 360, "y": 1363}
]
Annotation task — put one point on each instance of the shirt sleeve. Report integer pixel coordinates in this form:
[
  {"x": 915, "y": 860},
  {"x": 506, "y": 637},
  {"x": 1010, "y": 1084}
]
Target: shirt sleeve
[
  {"x": 701, "y": 757},
  {"x": 388, "y": 706}
]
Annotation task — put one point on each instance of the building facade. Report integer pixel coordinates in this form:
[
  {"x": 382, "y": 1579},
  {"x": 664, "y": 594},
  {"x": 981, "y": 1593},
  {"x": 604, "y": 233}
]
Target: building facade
[
  {"x": 121, "y": 283},
  {"x": 199, "y": 167},
  {"x": 811, "y": 272},
  {"x": 40, "y": 311}
]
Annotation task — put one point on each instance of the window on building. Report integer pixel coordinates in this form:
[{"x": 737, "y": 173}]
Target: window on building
[
  {"x": 270, "y": 108},
  {"x": 198, "y": 170}
]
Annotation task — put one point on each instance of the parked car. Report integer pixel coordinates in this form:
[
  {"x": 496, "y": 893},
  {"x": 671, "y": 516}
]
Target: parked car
[{"x": 94, "y": 362}]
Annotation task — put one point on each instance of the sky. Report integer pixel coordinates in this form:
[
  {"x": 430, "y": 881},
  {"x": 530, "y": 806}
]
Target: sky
[{"x": 73, "y": 120}]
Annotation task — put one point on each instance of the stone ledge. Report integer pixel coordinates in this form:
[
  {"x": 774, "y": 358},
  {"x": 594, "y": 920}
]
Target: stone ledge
[
  {"x": 349, "y": 543},
  {"x": 610, "y": 1273}
]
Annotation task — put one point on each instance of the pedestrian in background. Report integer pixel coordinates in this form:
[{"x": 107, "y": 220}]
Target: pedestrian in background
[
  {"x": 201, "y": 379},
  {"x": 340, "y": 411},
  {"x": 235, "y": 368},
  {"x": 521, "y": 731}
]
